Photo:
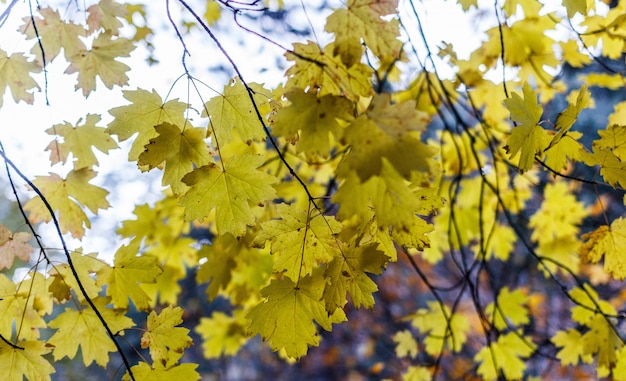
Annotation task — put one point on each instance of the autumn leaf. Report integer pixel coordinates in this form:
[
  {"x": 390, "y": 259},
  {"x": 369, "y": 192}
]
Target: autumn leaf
[
  {"x": 286, "y": 319},
  {"x": 146, "y": 110},
  {"x": 64, "y": 281},
  {"x": 54, "y": 34},
  {"x": 571, "y": 351},
  {"x": 79, "y": 140},
  {"x": 27, "y": 361},
  {"x": 161, "y": 372},
  {"x": 222, "y": 334},
  {"x": 612, "y": 168},
  {"x": 385, "y": 132},
  {"x": 162, "y": 334},
  {"x": 106, "y": 14},
  {"x": 83, "y": 328},
  {"x": 365, "y": 19},
  {"x": 510, "y": 309},
  {"x": 323, "y": 72},
  {"x": 122, "y": 280},
  {"x": 100, "y": 61},
  {"x": 182, "y": 151},
  {"x": 300, "y": 240},
  {"x": 528, "y": 138},
  {"x": 15, "y": 73},
  {"x": 406, "y": 346},
  {"x": 504, "y": 355},
  {"x": 314, "y": 120},
  {"x": 575, "y": 6},
  {"x": 607, "y": 242},
  {"x": 348, "y": 275},
  {"x": 66, "y": 196},
  {"x": 441, "y": 327},
  {"x": 13, "y": 245},
  {"x": 613, "y": 138},
  {"x": 568, "y": 117},
  {"x": 234, "y": 111},
  {"x": 228, "y": 189}
]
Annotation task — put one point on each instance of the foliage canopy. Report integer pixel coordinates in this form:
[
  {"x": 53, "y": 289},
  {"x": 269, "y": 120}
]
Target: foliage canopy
[{"x": 293, "y": 200}]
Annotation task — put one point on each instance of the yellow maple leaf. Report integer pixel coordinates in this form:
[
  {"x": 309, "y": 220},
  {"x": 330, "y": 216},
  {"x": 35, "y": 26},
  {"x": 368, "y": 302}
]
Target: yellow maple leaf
[
  {"x": 163, "y": 372},
  {"x": 602, "y": 341},
  {"x": 229, "y": 189},
  {"x": 417, "y": 373},
  {"x": 233, "y": 111},
  {"x": 571, "y": 349},
  {"x": 607, "y": 242},
  {"x": 614, "y": 139},
  {"x": 27, "y": 361},
  {"x": 612, "y": 168},
  {"x": 65, "y": 196},
  {"x": 13, "y": 245},
  {"x": 53, "y": 34},
  {"x": 222, "y": 334},
  {"x": 213, "y": 12},
  {"x": 181, "y": 151},
  {"x": 63, "y": 279},
  {"x": 83, "y": 328},
  {"x": 287, "y": 317},
  {"x": 442, "y": 329},
  {"x": 367, "y": 20},
  {"x": 313, "y": 119},
  {"x": 505, "y": 355},
  {"x": 15, "y": 73},
  {"x": 122, "y": 280},
  {"x": 387, "y": 131},
  {"x": 322, "y": 71},
  {"x": 560, "y": 214},
  {"x": 79, "y": 141},
  {"x": 406, "y": 345},
  {"x": 163, "y": 336},
  {"x": 568, "y": 117},
  {"x": 300, "y": 240},
  {"x": 348, "y": 275},
  {"x": 106, "y": 14},
  {"x": 566, "y": 148},
  {"x": 588, "y": 304},
  {"x": 510, "y": 309},
  {"x": 528, "y": 137},
  {"x": 145, "y": 111},
  {"x": 220, "y": 261},
  {"x": 100, "y": 61},
  {"x": 575, "y": 6}
]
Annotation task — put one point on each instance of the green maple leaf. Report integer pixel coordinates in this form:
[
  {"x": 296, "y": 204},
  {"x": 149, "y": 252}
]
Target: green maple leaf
[
  {"x": 65, "y": 196},
  {"x": 313, "y": 119},
  {"x": 300, "y": 240},
  {"x": 363, "y": 19},
  {"x": 233, "y": 111},
  {"x": 83, "y": 328},
  {"x": 27, "y": 361},
  {"x": 286, "y": 319},
  {"x": 15, "y": 73},
  {"x": 100, "y": 61},
  {"x": 163, "y": 336},
  {"x": 79, "y": 140},
  {"x": 181, "y": 151},
  {"x": 123, "y": 278},
  {"x": 528, "y": 137},
  {"x": 229, "y": 190}
]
